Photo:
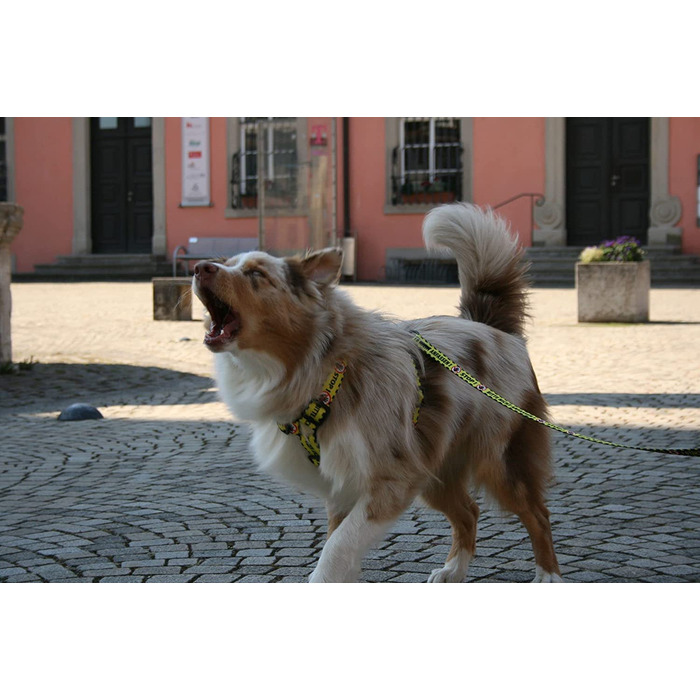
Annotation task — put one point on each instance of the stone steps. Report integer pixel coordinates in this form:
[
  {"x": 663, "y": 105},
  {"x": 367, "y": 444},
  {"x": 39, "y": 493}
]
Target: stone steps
[
  {"x": 669, "y": 268},
  {"x": 102, "y": 267},
  {"x": 549, "y": 267}
]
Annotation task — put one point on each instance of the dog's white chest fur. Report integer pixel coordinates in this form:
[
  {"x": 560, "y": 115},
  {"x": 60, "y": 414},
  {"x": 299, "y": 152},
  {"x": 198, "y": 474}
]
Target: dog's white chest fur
[{"x": 247, "y": 387}]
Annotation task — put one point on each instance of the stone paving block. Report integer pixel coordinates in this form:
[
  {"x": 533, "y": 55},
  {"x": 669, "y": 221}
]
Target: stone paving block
[
  {"x": 131, "y": 563},
  {"x": 255, "y": 578},
  {"x": 220, "y": 561},
  {"x": 632, "y": 573},
  {"x": 217, "y": 578},
  {"x": 681, "y": 570},
  {"x": 170, "y": 578},
  {"x": 121, "y": 579},
  {"x": 585, "y": 577},
  {"x": 376, "y": 576},
  {"x": 24, "y": 577},
  {"x": 408, "y": 578},
  {"x": 51, "y": 571},
  {"x": 110, "y": 572},
  {"x": 295, "y": 561},
  {"x": 183, "y": 561},
  {"x": 154, "y": 570},
  {"x": 214, "y": 569},
  {"x": 291, "y": 552},
  {"x": 253, "y": 561}
]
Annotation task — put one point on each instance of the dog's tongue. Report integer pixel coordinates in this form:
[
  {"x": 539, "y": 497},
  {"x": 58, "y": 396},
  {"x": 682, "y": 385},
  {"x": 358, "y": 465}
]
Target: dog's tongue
[
  {"x": 223, "y": 332},
  {"x": 230, "y": 325}
]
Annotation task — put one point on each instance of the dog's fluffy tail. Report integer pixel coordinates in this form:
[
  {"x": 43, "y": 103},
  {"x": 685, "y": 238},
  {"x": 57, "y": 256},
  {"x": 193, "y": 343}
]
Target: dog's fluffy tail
[{"x": 492, "y": 273}]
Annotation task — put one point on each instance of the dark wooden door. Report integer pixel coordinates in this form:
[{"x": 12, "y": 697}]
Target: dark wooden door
[
  {"x": 122, "y": 185},
  {"x": 607, "y": 178}
]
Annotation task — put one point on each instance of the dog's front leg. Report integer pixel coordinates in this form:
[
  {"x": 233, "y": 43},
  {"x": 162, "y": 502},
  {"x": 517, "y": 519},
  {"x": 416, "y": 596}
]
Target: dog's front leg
[{"x": 369, "y": 519}]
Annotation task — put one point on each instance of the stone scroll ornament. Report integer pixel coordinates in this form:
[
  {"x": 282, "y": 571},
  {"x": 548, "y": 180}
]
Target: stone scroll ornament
[
  {"x": 666, "y": 211},
  {"x": 548, "y": 215},
  {"x": 11, "y": 220}
]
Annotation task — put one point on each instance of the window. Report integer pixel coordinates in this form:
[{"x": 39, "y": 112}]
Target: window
[
  {"x": 3, "y": 161},
  {"x": 427, "y": 163},
  {"x": 279, "y": 158}
]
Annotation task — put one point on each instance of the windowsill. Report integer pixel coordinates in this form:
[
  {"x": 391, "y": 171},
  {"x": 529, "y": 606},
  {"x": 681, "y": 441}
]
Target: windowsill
[
  {"x": 409, "y": 208},
  {"x": 253, "y": 213}
]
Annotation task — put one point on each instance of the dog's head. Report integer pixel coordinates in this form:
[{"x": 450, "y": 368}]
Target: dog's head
[{"x": 260, "y": 302}]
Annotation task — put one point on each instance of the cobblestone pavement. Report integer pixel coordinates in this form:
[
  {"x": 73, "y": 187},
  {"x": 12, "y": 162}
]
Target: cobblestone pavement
[{"x": 164, "y": 489}]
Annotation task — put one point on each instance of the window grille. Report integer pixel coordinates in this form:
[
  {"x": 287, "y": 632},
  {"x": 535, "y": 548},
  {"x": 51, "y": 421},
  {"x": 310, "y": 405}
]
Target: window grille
[
  {"x": 279, "y": 135},
  {"x": 427, "y": 164},
  {"x": 3, "y": 161}
]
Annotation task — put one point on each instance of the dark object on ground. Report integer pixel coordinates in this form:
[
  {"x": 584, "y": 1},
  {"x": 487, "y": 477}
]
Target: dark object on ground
[{"x": 80, "y": 411}]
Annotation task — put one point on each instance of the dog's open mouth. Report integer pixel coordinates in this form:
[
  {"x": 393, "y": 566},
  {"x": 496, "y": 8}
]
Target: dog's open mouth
[{"x": 225, "y": 321}]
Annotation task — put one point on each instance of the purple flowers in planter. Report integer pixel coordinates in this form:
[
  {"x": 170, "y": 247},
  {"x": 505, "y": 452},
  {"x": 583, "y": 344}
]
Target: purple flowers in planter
[{"x": 622, "y": 249}]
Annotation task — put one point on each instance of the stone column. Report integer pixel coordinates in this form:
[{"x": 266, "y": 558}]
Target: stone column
[
  {"x": 550, "y": 217},
  {"x": 11, "y": 220},
  {"x": 665, "y": 211}
]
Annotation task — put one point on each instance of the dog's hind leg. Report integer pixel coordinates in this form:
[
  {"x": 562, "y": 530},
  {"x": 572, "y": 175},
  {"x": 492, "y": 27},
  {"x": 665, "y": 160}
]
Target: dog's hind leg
[
  {"x": 519, "y": 484},
  {"x": 452, "y": 499}
]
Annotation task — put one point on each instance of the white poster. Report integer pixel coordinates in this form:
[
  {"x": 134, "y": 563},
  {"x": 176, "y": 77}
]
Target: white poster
[{"x": 195, "y": 162}]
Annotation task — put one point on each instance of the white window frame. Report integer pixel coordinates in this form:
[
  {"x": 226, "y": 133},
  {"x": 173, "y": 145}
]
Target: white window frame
[
  {"x": 235, "y": 143},
  {"x": 395, "y": 137}
]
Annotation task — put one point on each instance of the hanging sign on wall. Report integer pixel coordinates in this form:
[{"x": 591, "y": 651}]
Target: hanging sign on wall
[{"x": 195, "y": 162}]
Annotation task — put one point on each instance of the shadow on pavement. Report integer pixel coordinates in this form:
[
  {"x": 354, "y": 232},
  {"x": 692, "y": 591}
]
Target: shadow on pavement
[
  {"x": 631, "y": 400},
  {"x": 53, "y": 386}
]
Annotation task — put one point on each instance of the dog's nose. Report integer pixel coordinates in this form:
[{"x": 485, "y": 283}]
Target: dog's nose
[{"x": 204, "y": 269}]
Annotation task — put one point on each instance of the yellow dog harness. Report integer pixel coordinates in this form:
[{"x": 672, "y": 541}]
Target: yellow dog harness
[{"x": 317, "y": 411}]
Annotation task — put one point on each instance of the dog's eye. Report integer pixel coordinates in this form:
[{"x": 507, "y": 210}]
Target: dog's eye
[{"x": 256, "y": 274}]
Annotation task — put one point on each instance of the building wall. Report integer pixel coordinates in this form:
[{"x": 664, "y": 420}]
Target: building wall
[
  {"x": 508, "y": 161},
  {"x": 183, "y": 222},
  {"x": 375, "y": 231},
  {"x": 684, "y": 146},
  {"x": 44, "y": 187}
]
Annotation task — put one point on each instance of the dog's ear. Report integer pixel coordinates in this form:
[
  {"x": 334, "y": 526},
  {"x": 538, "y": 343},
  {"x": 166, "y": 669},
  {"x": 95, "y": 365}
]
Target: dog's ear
[{"x": 323, "y": 266}]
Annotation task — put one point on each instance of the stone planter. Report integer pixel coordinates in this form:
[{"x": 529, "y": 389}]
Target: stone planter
[
  {"x": 172, "y": 298},
  {"x": 613, "y": 292}
]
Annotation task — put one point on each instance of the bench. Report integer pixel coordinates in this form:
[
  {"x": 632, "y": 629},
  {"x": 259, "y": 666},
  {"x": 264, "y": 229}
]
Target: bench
[
  {"x": 206, "y": 247},
  {"x": 420, "y": 266}
]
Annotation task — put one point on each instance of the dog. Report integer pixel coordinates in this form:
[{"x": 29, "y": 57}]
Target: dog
[{"x": 343, "y": 404}]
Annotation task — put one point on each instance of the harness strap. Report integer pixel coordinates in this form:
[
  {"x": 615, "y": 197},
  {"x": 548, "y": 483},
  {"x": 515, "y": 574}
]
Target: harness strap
[
  {"x": 317, "y": 411},
  {"x": 431, "y": 351}
]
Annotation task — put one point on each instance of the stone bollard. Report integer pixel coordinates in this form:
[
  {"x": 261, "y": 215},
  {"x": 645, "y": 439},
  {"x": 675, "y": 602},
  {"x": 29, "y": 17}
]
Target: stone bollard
[
  {"x": 11, "y": 220},
  {"x": 172, "y": 298}
]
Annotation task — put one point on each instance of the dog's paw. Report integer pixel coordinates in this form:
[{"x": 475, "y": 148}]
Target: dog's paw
[
  {"x": 445, "y": 575},
  {"x": 542, "y": 576},
  {"x": 317, "y": 577},
  {"x": 454, "y": 571}
]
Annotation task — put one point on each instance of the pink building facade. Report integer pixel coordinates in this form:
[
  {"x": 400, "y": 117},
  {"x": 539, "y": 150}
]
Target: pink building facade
[{"x": 144, "y": 186}]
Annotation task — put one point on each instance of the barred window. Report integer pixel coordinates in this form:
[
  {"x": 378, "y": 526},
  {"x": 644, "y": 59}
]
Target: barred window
[
  {"x": 3, "y": 161},
  {"x": 427, "y": 164},
  {"x": 279, "y": 150}
]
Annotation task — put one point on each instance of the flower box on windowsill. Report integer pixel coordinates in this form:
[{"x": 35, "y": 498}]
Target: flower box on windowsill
[
  {"x": 427, "y": 198},
  {"x": 249, "y": 201},
  {"x": 613, "y": 292}
]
